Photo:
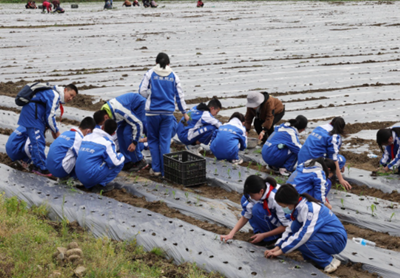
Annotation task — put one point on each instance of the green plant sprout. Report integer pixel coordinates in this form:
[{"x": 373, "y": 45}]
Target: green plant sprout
[
  {"x": 136, "y": 178},
  {"x": 224, "y": 165},
  {"x": 216, "y": 172},
  {"x": 361, "y": 193},
  {"x": 166, "y": 191},
  {"x": 373, "y": 208},
  {"x": 348, "y": 168},
  {"x": 229, "y": 172},
  {"x": 101, "y": 192},
  {"x": 157, "y": 187},
  {"x": 342, "y": 201},
  {"x": 173, "y": 193},
  {"x": 215, "y": 160},
  {"x": 259, "y": 167},
  {"x": 391, "y": 216},
  {"x": 145, "y": 183},
  {"x": 204, "y": 153},
  {"x": 240, "y": 175},
  {"x": 197, "y": 200}
]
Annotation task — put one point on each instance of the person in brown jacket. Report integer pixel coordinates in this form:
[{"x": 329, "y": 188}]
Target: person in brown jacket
[
  {"x": 127, "y": 3},
  {"x": 266, "y": 112}
]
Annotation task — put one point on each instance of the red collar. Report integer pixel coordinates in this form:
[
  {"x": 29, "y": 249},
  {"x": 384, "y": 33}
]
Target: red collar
[
  {"x": 265, "y": 205},
  {"x": 62, "y": 111},
  {"x": 291, "y": 216}
]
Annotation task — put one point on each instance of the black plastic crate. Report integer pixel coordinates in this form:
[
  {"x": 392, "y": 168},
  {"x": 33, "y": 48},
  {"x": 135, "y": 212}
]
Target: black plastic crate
[{"x": 185, "y": 168}]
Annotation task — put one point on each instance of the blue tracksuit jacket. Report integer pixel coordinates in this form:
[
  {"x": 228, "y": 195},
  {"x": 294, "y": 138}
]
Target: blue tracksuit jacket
[
  {"x": 311, "y": 180},
  {"x": 286, "y": 157},
  {"x": 260, "y": 219},
  {"x": 17, "y": 146},
  {"x": 41, "y": 115},
  {"x": 162, "y": 87},
  {"x": 98, "y": 162},
  {"x": 129, "y": 108},
  {"x": 320, "y": 143},
  {"x": 392, "y": 161},
  {"x": 315, "y": 231},
  {"x": 62, "y": 154},
  {"x": 200, "y": 127},
  {"x": 228, "y": 140}
]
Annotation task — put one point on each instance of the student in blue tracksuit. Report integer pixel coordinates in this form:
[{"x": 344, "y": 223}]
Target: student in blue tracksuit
[
  {"x": 63, "y": 151},
  {"x": 313, "y": 177},
  {"x": 265, "y": 216},
  {"x": 201, "y": 125},
  {"x": 128, "y": 111},
  {"x": 315, "y": 231},
  {"x": 40, "y": 114},
  {"x": 283, "y": 145},
  {"x": 18, "y": 147},
  {"x": 162, "y": 88},
  {"x": 229, "y": 139},
  {"x": 98, "y": 163},
  {"x": 325, "y": 140},
  {"x": 390, "y": 139}
]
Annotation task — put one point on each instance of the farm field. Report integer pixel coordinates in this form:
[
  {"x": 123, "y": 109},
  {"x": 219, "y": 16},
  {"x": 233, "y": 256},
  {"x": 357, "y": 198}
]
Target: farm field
[{"x": 322, "y": 59}]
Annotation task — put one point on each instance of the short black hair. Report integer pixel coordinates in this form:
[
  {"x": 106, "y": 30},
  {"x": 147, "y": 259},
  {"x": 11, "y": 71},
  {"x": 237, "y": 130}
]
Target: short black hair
[
  {"x": 238, "y": 115},
  {"x": 253, "y": 184},
  {"x": 99, "y": 117},
  {"x": 110, "y": 126},
  {"x": 72, "y": 87},
  {"x": 87, "y": 123},
  {"x": 214, "y": 102},
  {"x": 162, "y": 59}
]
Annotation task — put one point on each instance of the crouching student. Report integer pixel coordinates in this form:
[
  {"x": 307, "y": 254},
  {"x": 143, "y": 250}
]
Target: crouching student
[
  {"x": 390, "y": 139},
  {"x": 313, "y": 177},
  {"x": 31, "y": 5},
  {"x": 200, "y": 126},
  {"x": 128, "y": 111},
  {"x": 315, "y": 231},
  {"x": 229, "y": 139},
  {"x": 200, "y": 4},
  {"x": 325, "y": 140},
  {"x": 260, "y": 209},
  {"x": 127, "y": 3},
  {"x": 98, "y": 163},
  {"x": 18, "y": 147},
  {"x": 59, "y": 10},
  {"x": 162, "y": 88},
  {"x": 282, "y": 147},
  {"x": 63, "y": 151},
  {"x": 39, "y": 114}
]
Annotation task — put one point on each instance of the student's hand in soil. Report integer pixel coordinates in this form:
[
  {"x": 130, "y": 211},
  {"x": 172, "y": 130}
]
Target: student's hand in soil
[
  {"x": 273, "y": 253},
  {"x": 345, "y": 184},
  {"x": 261, "y": 135},
  {"x": 132, "y": 147},
  {"x": 257, "y": 238},
  {"x": 226, "y": 237}
]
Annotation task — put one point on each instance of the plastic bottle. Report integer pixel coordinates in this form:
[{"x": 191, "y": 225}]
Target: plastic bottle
[
  {"x": 364, "y": 242},
  {"x": 371, "y": 155}
]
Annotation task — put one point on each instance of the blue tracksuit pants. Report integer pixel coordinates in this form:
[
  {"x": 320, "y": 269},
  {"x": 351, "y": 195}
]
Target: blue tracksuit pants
[
  {"x": 59, "y": 172},
  {"x": 124, "y": 135},
  {"x": 205, "y": 134},
  {"x": 16, "y": 150},
  {"x": 261, "y": 222},
  {"x": 104, "y": 176},
  {"x": 159, "y": 139},
  {"x": 320, "y": 247},
  {"x": 38, "y": 144},
  {"x": 279, "y": 158}
]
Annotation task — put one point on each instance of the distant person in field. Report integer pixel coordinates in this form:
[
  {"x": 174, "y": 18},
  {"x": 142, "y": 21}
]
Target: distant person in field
[
  {"x": 31, "y": 5},
  {"x": 127, "y": 3},
  {"x": 64, "y": 150},
  {"x": 200, "y": 126},
  {"x": 153, "y": 4},
  {"x": 107, "y": 5},
  {"x": 136, "y": 3},
  {"x": 56, "y": 3},
  {"x": 146, "y": 3},
  {"x": 46, "y": 6},
  {"x": 200, "y": 4},
  {"x": 390, "y": 139},
  {"x": 266, "y": 111},
  {"x": 59, "y": 10},
  {"x": 283, "y": 145},
  {"x": 98, "y": 163},
  {"x": 325, "y": 141},
  {"x": 18, "y": 147},
  {"x": 229, "y": 139}
]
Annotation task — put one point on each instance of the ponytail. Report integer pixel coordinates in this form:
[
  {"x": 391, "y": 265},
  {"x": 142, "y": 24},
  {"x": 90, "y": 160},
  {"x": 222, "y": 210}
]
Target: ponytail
[
  {"x": 326, "y": 164},
  {"x": 310, "y": 198},
  {"x": 271, "y": 181},
  {"x": 338, "y": 125},
  {"x": 300, "y": 122},
  {"x": 162, "y": 59}
]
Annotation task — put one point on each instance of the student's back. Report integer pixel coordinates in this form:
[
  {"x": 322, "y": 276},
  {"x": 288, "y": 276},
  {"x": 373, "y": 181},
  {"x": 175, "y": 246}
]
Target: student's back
[
  {"x": 319, "y": 143},
  {"x": 17, "y": 146}
]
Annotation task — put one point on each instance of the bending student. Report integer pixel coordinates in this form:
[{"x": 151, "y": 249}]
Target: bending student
[
  {"x": 390, "y": 139},
  {"x": 315, "y": 231}
]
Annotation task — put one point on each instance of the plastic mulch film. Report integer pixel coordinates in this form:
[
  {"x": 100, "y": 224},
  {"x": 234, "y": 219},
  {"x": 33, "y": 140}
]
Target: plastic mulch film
[
  {"x": 222, "y": 212},
  {"x": 366, "y": 212},
  {"x": 253, "y": 155},
  {"x": 181, "y": 241}
]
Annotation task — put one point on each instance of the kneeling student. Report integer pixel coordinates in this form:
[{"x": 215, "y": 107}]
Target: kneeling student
[
  {"x": 390, "y": 139},
  {"x": 315, "y": 231},
  {"x": 63, "y": 151},
  {"x": 260, "y": 209},
  {"x": 229, "y": 139},
  {"x": 18, "y": 147},
  {"x": 201, "y": 125},
  {"x": 98, "y": 163}
]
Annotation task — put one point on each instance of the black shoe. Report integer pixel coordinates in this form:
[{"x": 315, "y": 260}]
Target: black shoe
[
  {"x": 40, "y": 172},
  {"x": 128, "y": 166},
  {"x": 103, "y": 189},
  {"x": 142, "y": 164}
]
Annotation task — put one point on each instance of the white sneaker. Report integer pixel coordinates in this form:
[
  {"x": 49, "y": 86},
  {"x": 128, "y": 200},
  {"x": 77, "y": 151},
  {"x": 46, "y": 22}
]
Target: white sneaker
[
  {"x": 332, "y": 266},
  {"x": 152, "y": 173},
  {"x": 196, "y": 149},
  {"x": 284, "y": 172},
  {"x": 237, "y": 161}
]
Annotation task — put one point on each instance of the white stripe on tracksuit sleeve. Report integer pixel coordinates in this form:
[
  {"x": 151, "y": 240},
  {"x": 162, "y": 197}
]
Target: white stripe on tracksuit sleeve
[
  {"x": 179, "y": 96},
  {"x": 51, "y": 120},
  {"x": 144, "y": 89},
  {"x": 208, "y": 118},
  {"x": 69, "y": 161},
  {"x": 113, "y": 159}
]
